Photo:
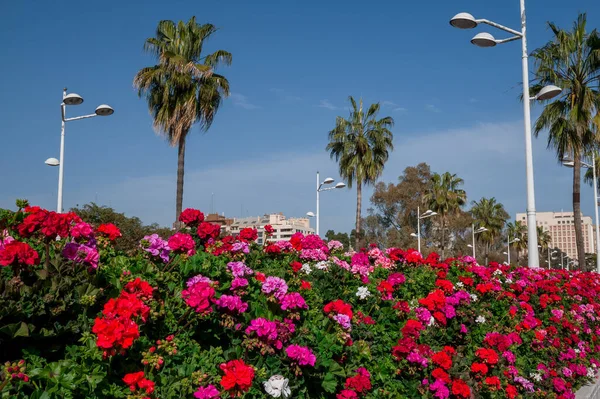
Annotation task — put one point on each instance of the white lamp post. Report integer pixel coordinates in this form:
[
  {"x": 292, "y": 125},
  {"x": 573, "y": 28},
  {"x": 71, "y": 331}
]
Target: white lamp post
[
  {"x": 71, "y": 99},
  {"x": 467, "y": 21},
  {"x": 320, "y": 188},
  {"x": 508, "y": 242},
  {"x": 473, "y": 232},
  {"x": 570, "y": 164},
  {"x": 427, "y": 214}
]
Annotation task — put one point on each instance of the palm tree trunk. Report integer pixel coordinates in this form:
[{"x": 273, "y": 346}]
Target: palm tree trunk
[
  {"x": 577, "y": 211},
  {"x": 487, "y": 253},
  {"x": 443, "y": 237},
  {"x": 180, "y": 169},
  {"x": 358, "y": 209}
]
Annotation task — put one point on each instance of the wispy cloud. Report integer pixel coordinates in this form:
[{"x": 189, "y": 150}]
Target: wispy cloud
[
  {"x": 432, "y": 108},
  {"x": 400, "y": 109},
  {"x": 389, "y": 104},
  {"x": 242, "y": 101},
  {"x": 283, "y": 96},
  {"x": 327, "y": 104}
]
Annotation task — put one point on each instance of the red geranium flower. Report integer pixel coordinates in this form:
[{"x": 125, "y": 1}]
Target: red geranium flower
[
  {"x": 18, "y": 253},
  {"x": 479, "y": 368},
  {"x": 305, "y": 285},
  {"x": 132, "y": 379},
  {"x": 208, "y": 230},
  {"x": 338, "y": 306},
  {"x": 248, "y": 234},
  {"x": 361, "y": 382},
  {"x": 269, "y": 229},
  {"x": 260, "y": 277},
  {"x": 109, "y": 230},
  {"x": 191, "y": 217},
  {"x": 412, "y": 329},
  {"x": 442, "y": 359},
  {"x": 346, "y": 394},
  {"x": 489, "y": 356},
  {"x": 493, "y": 382},
  {"x": 511, "y": 391},
  {"x": 440, "y": 374},
  {"x": 296, "y": 266},
  {"x": 460, "y": 388},
  {"x": 238, "y": 376},
  {"x": 33, "y": 221}
]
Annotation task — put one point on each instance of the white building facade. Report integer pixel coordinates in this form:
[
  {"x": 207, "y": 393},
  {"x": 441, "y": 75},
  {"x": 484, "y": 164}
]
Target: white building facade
[
  {"x": 562, "y": 230},
  {"x": 283, "y": 228}
]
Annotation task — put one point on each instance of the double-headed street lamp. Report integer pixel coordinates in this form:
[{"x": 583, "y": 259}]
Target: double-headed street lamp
[
  {"x": 570, "y": 164},
  {"x": 467, "y": 21},
  {"x": 70, "y": 99},
  {"x": 473, "y": 232},
  {"x": 427, "y": 214},
  {"x": 508, "y": 242},
  {"x": 320, "y": 188}
]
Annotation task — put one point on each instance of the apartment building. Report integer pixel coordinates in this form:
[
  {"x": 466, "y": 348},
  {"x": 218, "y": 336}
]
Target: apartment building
[
  {"x": 283, "y": 227},
  {"x": 562, "y": 230}
]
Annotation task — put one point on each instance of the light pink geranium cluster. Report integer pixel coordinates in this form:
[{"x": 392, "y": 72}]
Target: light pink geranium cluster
[{"x": 276, "y": 286}]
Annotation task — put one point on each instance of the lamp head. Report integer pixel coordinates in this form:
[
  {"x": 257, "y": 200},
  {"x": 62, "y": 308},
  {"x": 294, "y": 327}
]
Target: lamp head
[
  {"x": 310, "y": 214},
  {"x": 463, "y": 20},
  {"x": 516, "y": 240},
  {"x": 548, "y": 92},
  {"x": 72, "y": 99},
  {"x": 414, "y": 235},
  {"x": 328, "y": 180},
  {"x": 340, "y": 185},
  {"x": 104, "y": 110},
  {"x": 484, "y": 39},
  {"x": 52, "y": 162}
]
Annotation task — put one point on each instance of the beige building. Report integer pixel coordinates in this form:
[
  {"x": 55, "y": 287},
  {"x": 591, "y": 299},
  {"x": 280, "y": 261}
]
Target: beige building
[
  {"x": 283, "y": 227},
  {"x": 562, "y": 230}
]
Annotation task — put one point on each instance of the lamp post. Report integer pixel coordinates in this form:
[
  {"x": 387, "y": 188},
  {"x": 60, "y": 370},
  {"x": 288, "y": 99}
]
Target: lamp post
[
  {"x": 71, "y": 99},
  {"x": 427, "y": 214},
  {"x": 508, "y": 242},
  {"x": 570, "y": 164},
  {"x": 473, "y": 232},
  {"x": 320, "y": 188},
  {"x": 467, "y": 21}
]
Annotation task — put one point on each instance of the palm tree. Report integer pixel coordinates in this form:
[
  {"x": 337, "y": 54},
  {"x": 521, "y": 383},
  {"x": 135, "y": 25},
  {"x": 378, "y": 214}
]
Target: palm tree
[
  {"x": 517, "y": 230},
  {"x": 445, "y": 197},
  {"x": 361, "y": 145},
  {"x": 489, "y": 214},
  {"x": 544, "y": 239},
  {"x": 571, "y": 60},
  {"x": 182, "y": 88}
]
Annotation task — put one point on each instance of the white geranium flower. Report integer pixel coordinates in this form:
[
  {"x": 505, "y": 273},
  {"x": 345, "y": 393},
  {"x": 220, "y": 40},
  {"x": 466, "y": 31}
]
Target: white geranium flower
[
  {"x": 509, "y": 281},
  {"x": 277, "y": 386},
  {"x": 322, "y": 265},
  {"x": 306, "y": 268},
  {"x": 536, "y": 376},
  {"x": 577, "y": 350},
  {"x": 497, "y": 272},
  {"x": 480, "y": 319},
  {"x": 591, "y": 373},
  {"x": 460, "y": 284},
  {"x": 363, "y": 292},
  {"x": 474, "y": 297},
  {"x": 431, "y": 321}
]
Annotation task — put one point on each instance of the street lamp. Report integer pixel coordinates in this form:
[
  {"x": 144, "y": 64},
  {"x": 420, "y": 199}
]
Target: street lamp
[
  {"x": 427, "y": 214},
  {"x": 473, "y": 232},
  {"x": 52, "y": 162},
  {"x": 320, "y": 188},
  {"x": 570, "y": 164},
  {"x": 508, "y": 242},
  {"x": 467, "y": 21},
  {"x": 71, "y": 99}
]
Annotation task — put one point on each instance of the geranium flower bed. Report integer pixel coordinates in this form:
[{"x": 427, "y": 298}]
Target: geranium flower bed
[{"x": 198, "y": 316}]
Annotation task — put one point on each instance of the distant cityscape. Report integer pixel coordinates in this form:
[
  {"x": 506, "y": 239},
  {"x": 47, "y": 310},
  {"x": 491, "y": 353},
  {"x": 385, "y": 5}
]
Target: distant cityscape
[
  {"x": 283, "y": 227},
  {"x": 561, "y": 227}
]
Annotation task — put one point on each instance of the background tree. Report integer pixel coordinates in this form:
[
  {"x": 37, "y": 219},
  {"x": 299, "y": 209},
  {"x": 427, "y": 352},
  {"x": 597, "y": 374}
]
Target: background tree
[
  {"x": 182, "y": 89},
  {"x": 341, "y": 237},
  {"x": 489, "y": 214},
  {"x": 517, "y": 230},
  {"x": 361, "y": 146},
  {"x": 395, "y": 207},
  {"x": 544, "y": 241},
  {"x": 132, "y": 228},
  {"x": 571, "y": 60},
  {"x": 445, "y": 197}
]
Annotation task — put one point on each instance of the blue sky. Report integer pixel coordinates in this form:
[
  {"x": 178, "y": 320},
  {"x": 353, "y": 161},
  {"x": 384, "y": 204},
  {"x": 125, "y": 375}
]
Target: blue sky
[{"x": 294, "y": 64}]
